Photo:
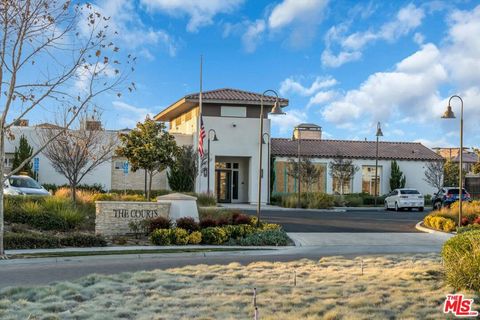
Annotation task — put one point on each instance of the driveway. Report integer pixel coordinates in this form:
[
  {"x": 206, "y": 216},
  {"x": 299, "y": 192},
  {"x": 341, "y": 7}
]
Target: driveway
[{"x": 353, "y": 220}]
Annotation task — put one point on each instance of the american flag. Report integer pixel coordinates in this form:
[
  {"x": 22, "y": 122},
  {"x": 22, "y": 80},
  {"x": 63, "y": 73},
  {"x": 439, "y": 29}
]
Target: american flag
[{"x": 201, "y": 137}]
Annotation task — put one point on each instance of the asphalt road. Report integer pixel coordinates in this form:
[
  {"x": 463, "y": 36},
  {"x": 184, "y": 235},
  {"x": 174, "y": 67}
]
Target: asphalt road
[
  {"x": 358, "y": 233},
  {"x": 357, "y": 220}
]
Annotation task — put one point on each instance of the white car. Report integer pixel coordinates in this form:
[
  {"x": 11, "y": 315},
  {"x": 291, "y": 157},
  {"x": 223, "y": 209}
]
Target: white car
[
  {"x": 24, "y": 185},
  {"x": 403, "y": 198}
]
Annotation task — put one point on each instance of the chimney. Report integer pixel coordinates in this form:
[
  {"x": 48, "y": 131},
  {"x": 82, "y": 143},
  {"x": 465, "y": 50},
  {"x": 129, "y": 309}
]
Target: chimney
[
  {"x": 92, "y": 125},
  {"x": 21, "y": 122},
  {"x": 307, "y": 131}
]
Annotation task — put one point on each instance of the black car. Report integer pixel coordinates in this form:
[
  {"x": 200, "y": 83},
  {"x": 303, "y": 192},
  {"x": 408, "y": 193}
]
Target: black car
[{"x": 448, "y": 195}]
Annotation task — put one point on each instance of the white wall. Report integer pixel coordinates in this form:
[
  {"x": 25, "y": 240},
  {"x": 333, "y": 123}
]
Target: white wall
[
  {"x": 414, "y": 172},
  {"x": 238, "y": 137},
  {"x": 47, "y": 174}
]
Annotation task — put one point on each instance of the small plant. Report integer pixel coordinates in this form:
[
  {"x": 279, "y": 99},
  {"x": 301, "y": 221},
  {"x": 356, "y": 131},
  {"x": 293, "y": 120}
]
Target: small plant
[
  {"x": 162, "y": 237},
  {"x": 138, "y": 227},
  {"x": 214, "y": 235},
  {"x": 159, "y": 223},
  {"x": 181, "y": 236},
  {"x": 119, "y": 240},
  {"x": 461, "y": 259},
  {"x": 240, "y": 218},
  {"x": 206, "y": 200},
  {"x": 195, "y": 237},
  {"x": 187, "y": 223},
  {"x": 207, "y": 223},
  {"x": 265, "y": 238}
]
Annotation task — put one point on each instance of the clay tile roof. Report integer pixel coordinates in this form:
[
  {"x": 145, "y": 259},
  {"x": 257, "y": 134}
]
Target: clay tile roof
[
  {"x": 227, "y": 94},
  {"x": 354, "y": 149}
]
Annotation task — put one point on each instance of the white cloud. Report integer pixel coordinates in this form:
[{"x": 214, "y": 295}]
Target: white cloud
[
  {"x": 290, "y": 85},
  {"x": 253, "y": 35},
  {"x": 200, "y": 12},
  {"x": 411, "y": 87},
  {"x": 290, "y": 11},
  {"x": 322, "y": 97},
  {"x": 287, "y": 122},
  {"x": 418, "y": 38},
  {"x": 350, "y": 46}
]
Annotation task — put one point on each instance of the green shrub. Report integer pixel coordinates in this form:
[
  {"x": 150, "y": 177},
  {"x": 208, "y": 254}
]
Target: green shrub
[
  {"x": 131, "y": 197},
  {"x": 29, "y": 241},
  {"x": 265, "y": 238},
  {"x": 238, "y": 231},
  {"x": 30, "y": 207},
  {"x": 180, "y": 236},
  {"x": 470, "y": 227},
  {"x": 352, "y": 200},
  {"x": 461, "y": 260},
  {"x": 139, "y": 227},
  {"x": 195, "y": 237},
  {"x": 187, "y": 223},
  {"x": 313, "y": 200},
  {"x": 271, "y": 227},
  {"x": 214, "y": 235},
  {"x": 206, "y": 200},
  {"x": 162, "y": 237},
  {"x": 105, "y": 197},
  {"x": 159, "y": 223},
  {"x": 82, "y": 240}
]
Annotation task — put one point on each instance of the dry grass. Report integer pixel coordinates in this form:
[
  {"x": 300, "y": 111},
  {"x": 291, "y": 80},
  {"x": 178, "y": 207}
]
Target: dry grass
[
  {"x": 84, "y": 196},
  {"x": 392, "y": 287}
]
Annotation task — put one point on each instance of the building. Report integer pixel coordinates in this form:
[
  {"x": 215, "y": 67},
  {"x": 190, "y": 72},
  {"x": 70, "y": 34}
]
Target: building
[
  {"x": 470, "y": 157},
  {"x": 234, "y": 117},
  {"x": 111, "y": 175},
  {"x": 230, "y": 166},
  {"x": 411, "y": 157}
]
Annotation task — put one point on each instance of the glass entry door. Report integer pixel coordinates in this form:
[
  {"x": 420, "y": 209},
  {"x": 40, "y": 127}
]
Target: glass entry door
[{"x": 224, "y": 185}]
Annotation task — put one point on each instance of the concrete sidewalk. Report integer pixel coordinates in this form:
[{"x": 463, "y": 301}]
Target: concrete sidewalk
[
  {"x": 325, "y": 239},
  {"x": 253, "y": 207},
  {"x": 121, "y": 249}
]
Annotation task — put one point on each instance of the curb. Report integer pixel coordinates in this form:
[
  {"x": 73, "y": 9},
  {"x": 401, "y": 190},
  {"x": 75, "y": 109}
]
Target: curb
[{"x": 419, "y": 227}]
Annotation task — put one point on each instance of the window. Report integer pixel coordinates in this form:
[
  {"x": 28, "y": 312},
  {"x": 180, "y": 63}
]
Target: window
[
  {"x": 238, "y": 112},
  {"x": 8, "y": 162},
  {"x": 188, "y": 116},
  {"x": 368, "y": 180},
  {"x": 119, "y": 165},
  {"x": 347, "y": 186},
  {"x": 410, "y": 192}
]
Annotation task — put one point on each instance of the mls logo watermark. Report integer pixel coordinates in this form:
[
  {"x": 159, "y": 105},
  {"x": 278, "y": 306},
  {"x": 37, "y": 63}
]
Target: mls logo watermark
[{"x": 459, "y": 306}]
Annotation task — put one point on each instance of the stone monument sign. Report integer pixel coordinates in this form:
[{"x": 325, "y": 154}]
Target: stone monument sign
[{"x": 112, "y": 217}]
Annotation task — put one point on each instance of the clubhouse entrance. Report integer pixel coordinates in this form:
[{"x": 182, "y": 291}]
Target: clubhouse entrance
[{"x": 231, "y": 179}]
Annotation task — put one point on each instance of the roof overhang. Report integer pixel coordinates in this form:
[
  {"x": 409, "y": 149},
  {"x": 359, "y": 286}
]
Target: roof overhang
[{"x": 183, "y": 105}]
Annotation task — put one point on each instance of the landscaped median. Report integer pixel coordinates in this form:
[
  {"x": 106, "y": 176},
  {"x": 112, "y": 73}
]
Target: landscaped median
[
  {"x": 57, "y": 222},
  {"x": 446, "y": 219}
]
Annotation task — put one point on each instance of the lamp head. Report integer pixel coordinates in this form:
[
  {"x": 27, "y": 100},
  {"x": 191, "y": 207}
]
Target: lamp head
[
  {"x": 379, "y": 130},
  {"x": 215, "y": 137},
  {"x": 277, "y": 110},
  {"x": 448, "y": 113}
]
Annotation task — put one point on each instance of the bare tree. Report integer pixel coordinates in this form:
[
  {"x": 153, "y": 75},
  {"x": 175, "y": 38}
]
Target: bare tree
[
  {"x": 343, "y": 170},
  {"x": 53, "y": 56},
  {"x": 78, "y": 151},
  {"x": 434, "y": 174},
  {"x": 309, "y": 172}
]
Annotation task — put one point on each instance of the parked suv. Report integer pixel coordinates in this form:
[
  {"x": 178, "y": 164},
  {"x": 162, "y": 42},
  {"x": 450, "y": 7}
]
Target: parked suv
[
  {"x": 448, "y": 195},
  {"x": 24, "y": 185}
]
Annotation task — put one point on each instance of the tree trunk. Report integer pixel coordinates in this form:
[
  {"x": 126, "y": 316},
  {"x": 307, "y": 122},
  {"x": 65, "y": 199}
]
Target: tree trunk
[
  {"x": 145, "y": 188},
  {"x": 73, "y": 193},
  {"x": 2, "y": 168},
  {"x": 150, "y": 185}
]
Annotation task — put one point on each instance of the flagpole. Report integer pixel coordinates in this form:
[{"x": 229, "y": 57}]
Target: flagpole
[{"x": 200, "y": 98}]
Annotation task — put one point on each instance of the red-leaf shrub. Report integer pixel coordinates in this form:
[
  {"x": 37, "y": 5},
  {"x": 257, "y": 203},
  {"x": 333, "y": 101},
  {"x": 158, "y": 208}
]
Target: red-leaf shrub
[
  {"x": 465, "y": 221},
  {"x": 207, "y": 222},
  {"x": 187, "y": 223},
  {"x": 222, "y": 221},
  {"x": 477, "y": 220},
  {"x": 159, "y": 223},
  {"x": 241, "y": 219}
]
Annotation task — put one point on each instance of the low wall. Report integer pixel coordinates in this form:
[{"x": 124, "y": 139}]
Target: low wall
[{"x": 112, "y": 217}]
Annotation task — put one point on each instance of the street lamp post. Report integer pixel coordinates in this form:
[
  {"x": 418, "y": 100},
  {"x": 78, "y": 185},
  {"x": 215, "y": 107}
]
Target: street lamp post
[
  {"x": 208, "y": 156},
  {"x": 378, "y": 135},
  {"x": 450, "y": 115},
  {"x": 268, "y": 163},
  {"x": 276, "y": 110}
]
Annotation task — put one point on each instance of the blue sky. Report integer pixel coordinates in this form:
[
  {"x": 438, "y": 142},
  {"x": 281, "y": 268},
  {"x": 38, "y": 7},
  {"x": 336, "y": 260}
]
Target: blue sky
[{"x": 344, "y": 65}]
